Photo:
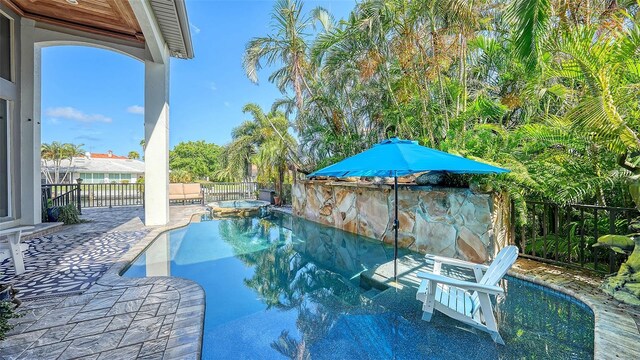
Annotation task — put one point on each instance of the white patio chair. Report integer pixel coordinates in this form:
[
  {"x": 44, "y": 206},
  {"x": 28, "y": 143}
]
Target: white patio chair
[
  {"x": 466, "y": 301},
  {"x": 11, "y": 247}
]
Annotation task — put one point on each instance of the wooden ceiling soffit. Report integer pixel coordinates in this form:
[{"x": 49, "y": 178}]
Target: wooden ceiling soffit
[{"x": 112, "y": 18}]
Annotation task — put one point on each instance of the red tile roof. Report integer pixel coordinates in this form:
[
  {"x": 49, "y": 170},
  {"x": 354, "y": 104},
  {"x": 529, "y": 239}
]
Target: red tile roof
[{"x": 106, "y": 156}]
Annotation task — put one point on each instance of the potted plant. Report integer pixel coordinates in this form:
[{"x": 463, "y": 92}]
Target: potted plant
[
  {"x": 53, "y": 212},
  {"x": 8, "y": 293}
]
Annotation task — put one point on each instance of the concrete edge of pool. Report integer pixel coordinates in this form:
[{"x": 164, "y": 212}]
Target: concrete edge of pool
[
  {"x": 224, "y": 208},
  {"x": 191, "y": 304},
  {"x": 616, "y": 334}
]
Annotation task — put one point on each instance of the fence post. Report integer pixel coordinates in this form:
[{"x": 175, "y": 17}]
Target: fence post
[
  {"x": 44, "y": 203},
  {"x": 612, "y": 230},
  {"x": 567, "y": 223},
  {"x": 545, "y": 227},
  {"x": 534, "y": 228},
  {"x": 582, "y": 237},
  {"x": 79, "y": 198},
  {"x": 557, "y": 230},
  {"x": 512, "y": 219},
  {"x": 595, "y": 236}
]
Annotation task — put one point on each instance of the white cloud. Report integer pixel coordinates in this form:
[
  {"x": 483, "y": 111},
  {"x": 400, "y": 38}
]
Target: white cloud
[
  {"x": 227, "y": 104},
  {"x": 195, "y": 29},
  {"x": 136, "y": 109},
  {"x": 213, "y": 86},
  {"x": 74, "y": 114},
  {"x": 89, "y": 138}
]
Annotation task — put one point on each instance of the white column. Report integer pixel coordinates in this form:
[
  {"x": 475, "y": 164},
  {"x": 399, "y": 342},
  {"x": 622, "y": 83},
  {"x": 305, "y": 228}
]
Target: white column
[
  {"x": 158, "y": 256},
  {"x": 156, "y": 135},
  {"x": 29, "y": 99}
]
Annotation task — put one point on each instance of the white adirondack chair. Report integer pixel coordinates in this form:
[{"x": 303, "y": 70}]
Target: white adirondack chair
[
  {"x": 12, "y": 247},
  {"x": 466, "y": 301}
]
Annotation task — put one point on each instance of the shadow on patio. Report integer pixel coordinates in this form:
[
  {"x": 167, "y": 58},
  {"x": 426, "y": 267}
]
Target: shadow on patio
[
  {"x": 72, "y": 259},
  {"x": 76, "y": 305}
]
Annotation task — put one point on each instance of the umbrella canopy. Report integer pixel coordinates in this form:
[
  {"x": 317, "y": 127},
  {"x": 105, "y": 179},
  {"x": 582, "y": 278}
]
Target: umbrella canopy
[{"x": 397, "y": 157}]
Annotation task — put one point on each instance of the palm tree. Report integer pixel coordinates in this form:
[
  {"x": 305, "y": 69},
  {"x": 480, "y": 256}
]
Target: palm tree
[
  {"x": 264, "y": 141},
  {"x": 56, "y": 152},
  {"x": 603, "y": 65},
  {"x": 278, "y": 148},
  {"x": 133, "y": 155},
  {"x": 237, "y": 156},
  {"x": 286, "y": 46}
]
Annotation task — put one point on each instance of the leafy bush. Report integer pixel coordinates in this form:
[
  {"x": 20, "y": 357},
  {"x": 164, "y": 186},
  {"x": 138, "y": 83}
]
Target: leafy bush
[
  {"x": 180, "y": 176},
  {"x": 69, "y": 214},
  {"x": 7, "y": 312}
]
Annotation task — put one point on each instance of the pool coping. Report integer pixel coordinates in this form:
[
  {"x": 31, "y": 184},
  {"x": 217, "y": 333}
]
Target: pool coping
[
  {"x": 616, "y": 334},
  {"x": 191, "y": 303}
]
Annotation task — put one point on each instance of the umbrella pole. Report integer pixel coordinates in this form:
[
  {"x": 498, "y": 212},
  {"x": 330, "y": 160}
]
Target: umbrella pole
[{"x": 395, "y": 229}]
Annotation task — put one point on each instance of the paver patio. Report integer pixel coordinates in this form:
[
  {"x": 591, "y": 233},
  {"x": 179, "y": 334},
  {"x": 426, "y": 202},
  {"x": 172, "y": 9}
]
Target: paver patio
[{"x": 113, "y": 317}]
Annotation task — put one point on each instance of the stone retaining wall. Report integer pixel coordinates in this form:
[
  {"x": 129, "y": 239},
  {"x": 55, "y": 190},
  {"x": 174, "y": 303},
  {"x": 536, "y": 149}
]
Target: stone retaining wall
[{"x": 444, "y": 221}]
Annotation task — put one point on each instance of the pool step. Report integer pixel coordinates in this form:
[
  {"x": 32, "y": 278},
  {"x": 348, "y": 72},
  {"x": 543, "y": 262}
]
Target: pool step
[{"x": 371, "y": 293}]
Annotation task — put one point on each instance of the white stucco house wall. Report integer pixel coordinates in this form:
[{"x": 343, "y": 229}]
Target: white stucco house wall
[
  {"x": 94, "y": 168},
  {"x": 151, "y": 31}
]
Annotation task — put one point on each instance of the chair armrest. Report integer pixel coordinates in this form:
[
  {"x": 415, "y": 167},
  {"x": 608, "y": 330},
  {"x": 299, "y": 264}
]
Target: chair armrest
[
  {"x": 455, "y": 262},
  {"x": 15, "y": 229},
  {"x": 466, "y": 285}
]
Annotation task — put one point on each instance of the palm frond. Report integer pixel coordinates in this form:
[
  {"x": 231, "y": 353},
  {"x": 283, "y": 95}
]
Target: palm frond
[{"x": 532, "y": 22}]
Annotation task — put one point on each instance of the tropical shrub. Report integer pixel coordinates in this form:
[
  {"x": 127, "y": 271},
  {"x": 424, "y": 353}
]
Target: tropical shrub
[
  {"x": 7, "y": 312},
  {"x": 69, "y": 214},
  {"x": 180, "y": 176}
]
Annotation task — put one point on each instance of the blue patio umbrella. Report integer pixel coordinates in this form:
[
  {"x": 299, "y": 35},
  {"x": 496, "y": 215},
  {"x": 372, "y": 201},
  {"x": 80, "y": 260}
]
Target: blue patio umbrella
[{"x": 396, "y": 157}]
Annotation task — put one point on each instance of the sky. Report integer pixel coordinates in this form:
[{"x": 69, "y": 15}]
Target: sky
[{"x": 95, "y": 97}]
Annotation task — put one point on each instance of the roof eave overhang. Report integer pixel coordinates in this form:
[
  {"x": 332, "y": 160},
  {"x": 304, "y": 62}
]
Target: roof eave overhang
[
  {"x": 183, "y": 20},
  {"x": 170, "y": 24}
]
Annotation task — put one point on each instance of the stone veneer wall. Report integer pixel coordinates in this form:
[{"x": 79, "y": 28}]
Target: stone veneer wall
[{"x": 450, "y": 222}]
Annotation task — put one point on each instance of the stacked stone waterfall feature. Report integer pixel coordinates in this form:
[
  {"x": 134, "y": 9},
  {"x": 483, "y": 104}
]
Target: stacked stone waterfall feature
[{"x": 453, "y": 222}]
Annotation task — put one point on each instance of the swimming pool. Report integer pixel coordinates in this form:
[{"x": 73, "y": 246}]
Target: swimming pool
[{"x": 282, "y": 287}]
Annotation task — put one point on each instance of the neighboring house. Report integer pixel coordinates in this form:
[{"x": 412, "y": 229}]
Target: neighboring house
[{"x": 95, "y": 168}]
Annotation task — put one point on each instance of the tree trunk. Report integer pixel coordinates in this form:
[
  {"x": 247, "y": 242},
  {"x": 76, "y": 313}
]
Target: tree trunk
[{"x": 281, "y": 170}]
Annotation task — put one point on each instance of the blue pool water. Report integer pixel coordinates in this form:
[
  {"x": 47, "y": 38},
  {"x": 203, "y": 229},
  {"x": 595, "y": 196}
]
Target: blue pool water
[{"x": 281, "y": 287}]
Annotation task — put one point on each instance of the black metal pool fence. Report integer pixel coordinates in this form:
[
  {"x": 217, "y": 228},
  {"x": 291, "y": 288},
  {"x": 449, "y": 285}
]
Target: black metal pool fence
[
  {"x": 565, "y": 234},
  {"x": 217, "y": 191},
  {"x": 558, "y": 233},
  {"x": 132, "y": 194}
]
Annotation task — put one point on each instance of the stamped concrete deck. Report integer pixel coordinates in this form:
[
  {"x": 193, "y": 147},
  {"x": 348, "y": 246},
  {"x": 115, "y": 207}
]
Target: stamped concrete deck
[
  {"x": 617, "y": 326},
  {"x": 113, "y": 317}
]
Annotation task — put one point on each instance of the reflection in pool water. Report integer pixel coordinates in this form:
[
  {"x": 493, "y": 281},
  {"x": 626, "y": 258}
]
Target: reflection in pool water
[{"x": 283, "y": 287}]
